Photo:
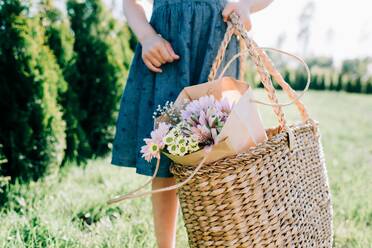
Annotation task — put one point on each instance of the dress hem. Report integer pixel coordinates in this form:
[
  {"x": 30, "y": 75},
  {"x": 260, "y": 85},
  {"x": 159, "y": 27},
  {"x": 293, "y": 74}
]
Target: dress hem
[{"x": 123, "y": 163}]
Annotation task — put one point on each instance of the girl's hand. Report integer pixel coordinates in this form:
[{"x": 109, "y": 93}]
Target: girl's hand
[
  {"x": 157, "y": 51},
  {"x": 242, "y": 9}
]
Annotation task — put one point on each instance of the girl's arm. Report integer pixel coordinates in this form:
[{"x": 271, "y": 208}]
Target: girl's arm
[
  {"x": 137, "y": 20},
  {"x": 155, "y": 50},
  {"x": 257, "y": 5},
  {"x": 244, "y": 8}
]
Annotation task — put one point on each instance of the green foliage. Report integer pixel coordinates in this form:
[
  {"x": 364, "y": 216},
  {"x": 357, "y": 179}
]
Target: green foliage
[
  {"x": 352, "y": 77},
  {"x": 126, "y": 36},
  {"x": 355, "y": 67},
  {"x": 35, "y": 233},
  {"x": 339, "y": 83},
  {"x": 358, "y": 85},
  {"x": 321, "y": 82},
  {"x": 60, "y": 39},
  {"x": 133, "y": 39},
  {"x": 93, "y": 214},
  {"x": 323, "y": 62},
  {"x": 32, "y": 131},
  {"x": 4, "y": 181},
  {"x": 99, "y": 72},
  {"x": 368, "y": 88}
]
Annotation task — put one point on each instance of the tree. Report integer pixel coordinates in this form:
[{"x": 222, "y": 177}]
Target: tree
[
  {"x": 339, "y": 82},
  {"x": 321, "y": 82},
  {"x": 4, "y": 180},
  {"x": 132, "y": 40},
  {"x": 349, "y": 86},
  {"x": 314, "y": 81},
  {"x": 32, "y": 130},
  {"x": 126, "y": 37},
  {"x": 358, "y": 85},
  {"x": 60, "y": 39},
  {"x": 368, "y": 89},
  {"x": 99, "y": 72},
  {"x": 301, "y": 79},
  {"x": 320, "y": 62}
]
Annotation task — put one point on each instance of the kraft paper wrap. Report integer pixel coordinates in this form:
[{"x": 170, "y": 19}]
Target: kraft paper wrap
[{"x": 243, "y": 128}]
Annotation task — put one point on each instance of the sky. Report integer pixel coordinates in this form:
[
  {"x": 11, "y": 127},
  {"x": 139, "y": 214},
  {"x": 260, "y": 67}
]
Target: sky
[{"x": 339, "y": 28}]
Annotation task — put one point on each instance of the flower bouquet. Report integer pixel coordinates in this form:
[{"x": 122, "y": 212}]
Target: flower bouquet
[{"x": 217, "y": 117}]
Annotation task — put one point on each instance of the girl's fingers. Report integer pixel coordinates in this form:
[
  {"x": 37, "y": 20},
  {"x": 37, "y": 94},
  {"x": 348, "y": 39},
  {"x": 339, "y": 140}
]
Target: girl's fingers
[
  {"x": 154, "y": 59},
  {"x": 165, "y": 54},
  {"x": 171, "y": 51},
  {"x": 246, "y": 20},
  {"x": 151, "y": 66},
  {"x": 244, "y": 15},
  {"x": 229, "y": 8},
  {"x": 155, "y": 54},
  {"x": 248, "y": 24}
]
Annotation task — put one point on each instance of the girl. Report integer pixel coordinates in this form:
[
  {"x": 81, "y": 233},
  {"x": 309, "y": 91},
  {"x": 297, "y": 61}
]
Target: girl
[{"x": 176, "y": 49}]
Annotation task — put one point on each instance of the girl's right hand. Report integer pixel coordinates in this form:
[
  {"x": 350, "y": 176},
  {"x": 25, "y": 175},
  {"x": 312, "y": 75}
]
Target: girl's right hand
[{"x": 157, "y": 51}]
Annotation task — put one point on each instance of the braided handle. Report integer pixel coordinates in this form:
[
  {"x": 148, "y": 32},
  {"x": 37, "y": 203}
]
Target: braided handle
[
  {"x": 269, "y": 66},
  {"x": 296, "y": 97},
  {"x": 221, "y": 52},
  {"x": 135, "y": 193},
  {"x": 235, "y": 26},
  {"x": 284, "y": 85},
  {"x": 263, "y": 63}
]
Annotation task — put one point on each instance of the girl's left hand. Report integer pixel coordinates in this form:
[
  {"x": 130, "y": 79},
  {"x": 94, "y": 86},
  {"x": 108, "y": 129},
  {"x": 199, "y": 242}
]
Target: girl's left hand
[{"x": 242, "y": 9}]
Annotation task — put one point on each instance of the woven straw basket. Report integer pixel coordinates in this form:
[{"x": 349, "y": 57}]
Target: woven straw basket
[
  {"x": 274, "y": 195},
  {"x": 267, "y": 197}
]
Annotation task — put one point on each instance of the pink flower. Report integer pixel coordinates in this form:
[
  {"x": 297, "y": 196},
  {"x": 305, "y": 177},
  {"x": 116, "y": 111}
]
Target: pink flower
[
  {"x": 205, "y": 118},
  {"x": 155, "y": 143},
  {"x": 147, "y": 152},
  {"x": 158, "y": 134},
  {"x": 198, "y": 106}
]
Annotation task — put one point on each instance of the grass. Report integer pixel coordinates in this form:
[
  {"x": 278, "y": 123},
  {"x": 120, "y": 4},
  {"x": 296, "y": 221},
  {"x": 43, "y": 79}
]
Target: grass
[{"x": 68, "y": 210}]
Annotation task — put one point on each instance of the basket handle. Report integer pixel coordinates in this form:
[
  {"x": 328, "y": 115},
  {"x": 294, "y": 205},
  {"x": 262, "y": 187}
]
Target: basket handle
[
  {"x": 284, "y": 85},
  {"x": 294, "y": 97},
  {"x": 265, "y": 77},
  {"x": 262, "y": 62},
  {"x": 133, "y": 194}
]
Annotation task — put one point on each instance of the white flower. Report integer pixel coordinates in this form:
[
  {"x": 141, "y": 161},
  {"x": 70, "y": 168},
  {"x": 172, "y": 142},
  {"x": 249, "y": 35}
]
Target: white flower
[
  {"x": 180, "y": 140},
  {"x": 169, "y": 139},
  {"x": 172, "y": 149},
  {"x": 181, "y": 150},
  {"x": 192, "y": 145}
]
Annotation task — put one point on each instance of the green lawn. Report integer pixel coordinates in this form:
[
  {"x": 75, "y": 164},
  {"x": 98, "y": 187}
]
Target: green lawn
[{"x": 69, "y": 210}]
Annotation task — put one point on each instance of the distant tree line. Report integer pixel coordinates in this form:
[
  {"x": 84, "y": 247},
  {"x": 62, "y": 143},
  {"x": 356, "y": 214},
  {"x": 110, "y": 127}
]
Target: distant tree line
[
  {"x": 352, "y": 76},
  {"x": 61, "y": 78}
]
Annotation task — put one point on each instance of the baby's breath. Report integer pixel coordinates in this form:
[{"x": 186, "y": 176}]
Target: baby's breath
[{"x": 168, "y": 111}]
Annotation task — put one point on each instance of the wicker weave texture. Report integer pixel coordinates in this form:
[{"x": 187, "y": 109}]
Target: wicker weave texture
[{"x": 270, "y": 196}]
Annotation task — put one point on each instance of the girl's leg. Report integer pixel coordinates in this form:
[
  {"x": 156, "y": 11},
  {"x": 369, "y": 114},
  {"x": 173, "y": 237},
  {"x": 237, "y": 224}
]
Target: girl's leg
[{"x": 165, "y": 209}]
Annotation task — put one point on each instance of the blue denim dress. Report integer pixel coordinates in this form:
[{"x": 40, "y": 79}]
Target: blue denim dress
[{"x": 195, "y": 29}]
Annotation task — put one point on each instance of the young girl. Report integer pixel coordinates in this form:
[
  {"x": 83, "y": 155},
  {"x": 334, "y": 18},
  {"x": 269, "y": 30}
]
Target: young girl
[{"x": 176, "y": 49}]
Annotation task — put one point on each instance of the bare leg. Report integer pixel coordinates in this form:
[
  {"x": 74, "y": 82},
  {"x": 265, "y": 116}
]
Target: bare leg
[{"x": 165, "y": 209}]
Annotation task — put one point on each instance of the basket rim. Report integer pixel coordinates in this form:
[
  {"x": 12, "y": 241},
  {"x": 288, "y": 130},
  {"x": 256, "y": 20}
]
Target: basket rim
[{"x": 273, "y": 142}]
